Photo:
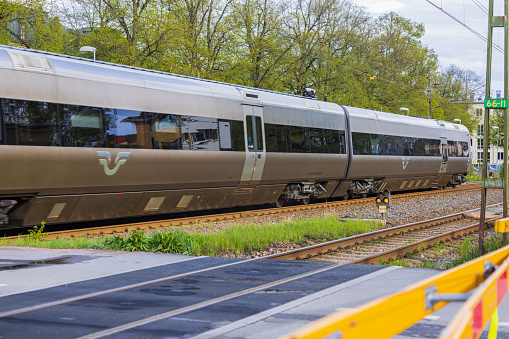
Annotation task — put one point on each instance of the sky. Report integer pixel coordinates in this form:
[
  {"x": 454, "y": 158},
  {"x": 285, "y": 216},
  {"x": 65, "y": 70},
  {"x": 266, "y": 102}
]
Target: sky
[{"x": 452, "y": 42}]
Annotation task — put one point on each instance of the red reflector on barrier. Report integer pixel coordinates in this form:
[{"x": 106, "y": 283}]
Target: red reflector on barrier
[
  {"x": 120, "y": 195},
  {"x": 501, "y": 287},
  {"x": 477, "y": 325}
]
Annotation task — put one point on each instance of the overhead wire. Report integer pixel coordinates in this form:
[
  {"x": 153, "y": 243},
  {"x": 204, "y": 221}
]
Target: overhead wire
[
  {"x": 481, "y": 6},
  {"x": 479, "y": 35}
]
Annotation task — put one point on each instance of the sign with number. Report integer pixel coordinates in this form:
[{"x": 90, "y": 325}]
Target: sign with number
[
  {"x": 493, "y": 183},
  {"x": 496, "y": 103},
  {"x": 382, "y": 209}
]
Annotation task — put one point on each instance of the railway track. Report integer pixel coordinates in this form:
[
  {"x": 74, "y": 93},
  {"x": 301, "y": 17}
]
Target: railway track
[
  {"x": 390, "y": 243},
  {"x": 108, "y": 297},
  {"x": 237, "y": 216}
]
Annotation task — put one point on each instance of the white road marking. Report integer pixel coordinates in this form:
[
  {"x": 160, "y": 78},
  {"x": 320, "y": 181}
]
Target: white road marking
[
  {"x": 431, "y": 317},
  {"x": 221, "y": 331},
  {"x": 503, "y": 323},
  {"x": 344, "y": 309}
]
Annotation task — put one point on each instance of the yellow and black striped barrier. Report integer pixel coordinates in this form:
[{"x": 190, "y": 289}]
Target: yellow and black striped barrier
[{"x": 481, "y": 284}]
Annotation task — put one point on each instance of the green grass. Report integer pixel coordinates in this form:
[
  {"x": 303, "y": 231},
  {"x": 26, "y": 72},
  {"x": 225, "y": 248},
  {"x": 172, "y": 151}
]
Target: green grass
[
  {"x": 471, "y": 176},
  {"x": 240, "y": 240},
  {"x": 469, "y": 249}
]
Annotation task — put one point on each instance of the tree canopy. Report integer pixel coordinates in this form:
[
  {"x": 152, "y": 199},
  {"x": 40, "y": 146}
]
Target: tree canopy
[{"x": 333, "y": 46}]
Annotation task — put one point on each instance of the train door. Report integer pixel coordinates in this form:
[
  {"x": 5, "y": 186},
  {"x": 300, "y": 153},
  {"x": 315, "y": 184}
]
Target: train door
[
  {"x": 255, "y": 145},
  {"x": 444, "y": 150}
]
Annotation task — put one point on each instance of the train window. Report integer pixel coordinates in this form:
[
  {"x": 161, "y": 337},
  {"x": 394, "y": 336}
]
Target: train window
[
  {"x": 297, "y": 139},
  {"x": 48, "y": 124},
  {"x": 237, "y": 131},
  {"x": 186, "y": 141},
  {"x": 452, "y": 148},
  {"x": 29, "y": 122},
  {"x": 432, "y": 147},
  {"x": 389, "y": 145},
  {"x": 86, "y": 127},
  {"x": 165, "y": 131},
  {"x": 376, "y": 144},
  {"x": 282, "y": 138},
  {"x": 231, "y": 135},
  {"x": 271, "y": 137},
  {"x": 203, "y": 133},
  {"x": 250, "y": 136},
  {"x": 126, "y": 128},
  {"x": 409, "y": 146},
  {"x": 315, "y": 140},
  {"x": 304, "y": 139},
  {"x": 400, "y": 145},
  {"x": 465, "y": 148},
  {"x": 225, "y": 138},
  {"x": 342, "y": 142},
  {"x": 361, "y": 143},
  {"x": 259, "y": 133},
  {"x": 332, "y": 143}
]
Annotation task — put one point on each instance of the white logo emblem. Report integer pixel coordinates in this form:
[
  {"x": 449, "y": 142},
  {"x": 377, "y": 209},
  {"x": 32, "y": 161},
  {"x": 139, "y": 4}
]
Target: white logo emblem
[
  {"x": 106, "y": 159},
  {"x": 405, "y": 162}
]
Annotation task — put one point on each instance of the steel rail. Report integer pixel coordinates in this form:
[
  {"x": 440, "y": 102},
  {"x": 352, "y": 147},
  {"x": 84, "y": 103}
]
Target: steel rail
[
  {"x": 330, "y": 246},
  {"x": 272, "y": 256},
  {"x": 152, "y": 225},
  {"x": 401, "y": 251},
  {"x": 193, "y": 307}
]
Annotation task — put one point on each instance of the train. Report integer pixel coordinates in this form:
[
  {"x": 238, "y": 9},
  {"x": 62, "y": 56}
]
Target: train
[{"x": 85, "y": 140}]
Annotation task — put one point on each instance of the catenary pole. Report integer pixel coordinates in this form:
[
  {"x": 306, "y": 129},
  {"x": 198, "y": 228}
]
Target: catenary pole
[
  {"x": 486, "y": 130},
  {"x": 506, "y": 96}
]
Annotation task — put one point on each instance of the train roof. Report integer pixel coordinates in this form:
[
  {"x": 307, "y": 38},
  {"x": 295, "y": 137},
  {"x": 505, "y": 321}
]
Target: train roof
[
  {"x": 115, "y": 74},
  {"x": 86, "y": 69},
  {"x": 403, "y": 119}
]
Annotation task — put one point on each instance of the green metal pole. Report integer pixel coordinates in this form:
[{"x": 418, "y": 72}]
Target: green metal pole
[
  {"x": 486, "y": 130},
  {"x": 506, "y": 96}
]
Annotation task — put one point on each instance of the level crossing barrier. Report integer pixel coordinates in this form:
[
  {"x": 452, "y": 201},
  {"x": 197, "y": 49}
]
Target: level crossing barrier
[{"x": 481, "y": 284}]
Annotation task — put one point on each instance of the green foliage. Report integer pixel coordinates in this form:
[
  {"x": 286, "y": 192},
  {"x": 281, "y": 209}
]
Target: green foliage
[
  {"x": 167, "y": 242},
  {"x": 395, "y": 262},
  {"x": 241, "y": 239},
  {"x": 473, "y": 175},
  {"x": 469, "y": 249},
  {"x": 329, "y": 45},
  {"x": 28, "y": 24},
  {"x": 170, "y": 242},
  {"x": 37, "y": 233}
]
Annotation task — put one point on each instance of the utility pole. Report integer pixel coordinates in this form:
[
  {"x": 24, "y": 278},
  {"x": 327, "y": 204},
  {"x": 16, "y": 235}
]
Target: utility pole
[
  {"x": 428, "y": 91},
  {"x": 494, "y": 21}
]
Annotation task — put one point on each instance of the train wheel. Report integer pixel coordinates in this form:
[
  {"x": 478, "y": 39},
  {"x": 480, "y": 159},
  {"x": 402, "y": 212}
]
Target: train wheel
[
  {"x": 364, "y": 195},
  {"x": 278, "y": 203},
  {"x": 305, "y": 201},
  {"x": 346, "y": 196}
]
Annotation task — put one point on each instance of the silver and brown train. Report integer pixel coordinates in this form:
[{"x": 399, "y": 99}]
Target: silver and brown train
[{"x": 83, "y": 140}]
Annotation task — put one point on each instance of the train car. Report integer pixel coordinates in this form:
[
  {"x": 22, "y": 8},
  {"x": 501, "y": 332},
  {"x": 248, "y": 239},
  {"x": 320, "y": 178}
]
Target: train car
[{"x": 83, "y": 140}]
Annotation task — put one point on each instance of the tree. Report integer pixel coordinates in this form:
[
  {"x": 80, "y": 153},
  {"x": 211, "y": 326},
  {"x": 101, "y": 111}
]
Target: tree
[
  {"x": 132, "y": 32},
  {"x": 27, "y": 24},
  {"x": 260, "y": 43},
  {"x": 201, "y": 30},
  {"x": 457, "y": 85}
]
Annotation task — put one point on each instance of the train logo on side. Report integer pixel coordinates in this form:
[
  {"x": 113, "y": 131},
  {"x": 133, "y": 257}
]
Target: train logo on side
[
  {"x": 105, "y": 160},
  {"x": 405, "y": 162}
]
